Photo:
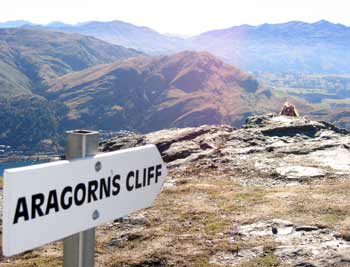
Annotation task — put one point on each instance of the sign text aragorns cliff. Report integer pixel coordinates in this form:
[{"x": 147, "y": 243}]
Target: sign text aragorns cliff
[{"x": 47, "y": 202}]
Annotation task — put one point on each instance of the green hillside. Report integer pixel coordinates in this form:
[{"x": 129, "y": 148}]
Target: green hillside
[{"x": 29, "y": 58}]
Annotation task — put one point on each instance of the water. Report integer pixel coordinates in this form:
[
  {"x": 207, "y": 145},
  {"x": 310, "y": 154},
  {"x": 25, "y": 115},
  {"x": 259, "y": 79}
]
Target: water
[{"x": 16, "y": 164}]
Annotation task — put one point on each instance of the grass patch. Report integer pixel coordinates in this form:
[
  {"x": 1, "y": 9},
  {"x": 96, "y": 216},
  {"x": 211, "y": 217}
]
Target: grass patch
[
  {"x": 268, "y": 260},
  {"x": 201, "y": 216},
  {"x": 333, "y": 210},
  {"x": 215, "y": 224},
  {"x": 36, "y": 262},
  {"x": 334, "y": 215},
  {"x": 204, "y": 262},
  {"x": 253, "y": 196},
  {"x": 150, "y": 258}
]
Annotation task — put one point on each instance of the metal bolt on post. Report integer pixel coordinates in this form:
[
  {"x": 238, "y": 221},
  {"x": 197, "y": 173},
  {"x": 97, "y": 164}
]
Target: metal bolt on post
[{"x": 79, "y": 249}]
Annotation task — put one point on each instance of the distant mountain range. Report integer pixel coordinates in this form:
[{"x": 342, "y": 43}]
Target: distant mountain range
[
  {"x": 53, "y": 78},
  {"x": 15, "y": 23},
  {"x": 124, "y": 34},
  {"x": 321, "y": 47},
  {"x": 53, "y": 81}
]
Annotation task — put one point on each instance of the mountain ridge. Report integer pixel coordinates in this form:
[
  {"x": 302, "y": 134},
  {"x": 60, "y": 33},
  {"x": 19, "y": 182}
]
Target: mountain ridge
[
  {"x": 28, "y": 59},
  {"x": 20, "y": 23},
  {"x": 190, "y": 88},
  {"x": 23, "y": 47},
  {"x": 295, "y": 46},
  {"x": 320, "y": 47},
  {"x": 128, "y": 35},
  {"x": 147, "y": 93}
]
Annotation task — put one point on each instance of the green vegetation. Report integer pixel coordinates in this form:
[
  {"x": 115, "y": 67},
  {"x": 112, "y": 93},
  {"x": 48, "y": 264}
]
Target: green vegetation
[
  {"x": 29, "y": 58},
  {"x": 12, "y": 81},
  {"x": 264, "y": 261},
  {"x": 29, "y": 122},
  {"x": 204, "y": 262}
]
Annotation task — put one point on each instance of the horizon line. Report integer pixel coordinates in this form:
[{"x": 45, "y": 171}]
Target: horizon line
[{"x": 29, "y": 22}]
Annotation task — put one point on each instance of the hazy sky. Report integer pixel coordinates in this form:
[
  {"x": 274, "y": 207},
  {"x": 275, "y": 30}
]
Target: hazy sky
[{"x": 177, "y": 16}]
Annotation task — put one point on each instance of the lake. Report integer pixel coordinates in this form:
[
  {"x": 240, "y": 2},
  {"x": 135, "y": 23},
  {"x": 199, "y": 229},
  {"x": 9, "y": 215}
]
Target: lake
[{"x": 16, "y": 164}]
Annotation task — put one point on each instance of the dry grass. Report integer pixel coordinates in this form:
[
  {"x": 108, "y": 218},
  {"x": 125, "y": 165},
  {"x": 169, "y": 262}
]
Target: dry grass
[
  {"x": 192, "y": 221},
  {"x": 35, "y": 261}
]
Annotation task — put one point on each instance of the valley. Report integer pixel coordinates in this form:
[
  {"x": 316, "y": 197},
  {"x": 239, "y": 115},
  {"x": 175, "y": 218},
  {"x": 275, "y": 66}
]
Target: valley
[
  {"x": 328, "y": 95},
  {"x": 115, "y": 76}
]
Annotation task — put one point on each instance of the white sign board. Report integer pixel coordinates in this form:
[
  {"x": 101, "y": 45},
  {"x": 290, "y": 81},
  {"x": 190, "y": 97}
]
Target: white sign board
[{"x": 48, "y": 202}]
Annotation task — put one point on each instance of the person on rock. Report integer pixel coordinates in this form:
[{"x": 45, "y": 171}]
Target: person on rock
[{"x": 289, "y": 110}]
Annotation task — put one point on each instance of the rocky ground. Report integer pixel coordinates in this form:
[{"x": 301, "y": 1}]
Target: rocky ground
[
  {"x": 273, "y": 193},
  {"x": 279, "y": 149}
]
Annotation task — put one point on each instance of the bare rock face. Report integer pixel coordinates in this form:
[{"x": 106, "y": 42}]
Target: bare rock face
[
  {"x": 298, "y": 245},
  {"x": 268, "y": 151},
  {"x": 279, "y": 148}
]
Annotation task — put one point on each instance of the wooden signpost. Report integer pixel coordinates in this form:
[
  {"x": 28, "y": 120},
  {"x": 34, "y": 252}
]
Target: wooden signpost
[{"x": 69, "y": 198}]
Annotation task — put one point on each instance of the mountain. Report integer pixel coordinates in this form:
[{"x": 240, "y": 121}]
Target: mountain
[
  {"x": 15, "y": 23},
  {"x": 28, "y": 122},
  {"x": 28, "y": 59},
  {"x": 127, "y": 35},
  {"x": 57, "y": 24},
  {"x": 150, "y": 93},
  {"x": 295, "y": 46},
  {"x": 43, "y": 54},
  {"x": 320, "y": 47},
  {"x": 76, "y": 81}
]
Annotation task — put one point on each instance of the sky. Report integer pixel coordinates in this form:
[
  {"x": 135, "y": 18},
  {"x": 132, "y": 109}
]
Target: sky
[{"x": 184, "y": 17}]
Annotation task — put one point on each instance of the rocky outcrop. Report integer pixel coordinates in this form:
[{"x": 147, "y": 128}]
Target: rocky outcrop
[
  {"x": 278, "y": 148},
  {"x": 297, "y": 244},
  {"x": 289, "y": 157},
  {"x": 273, "y": 193}
]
